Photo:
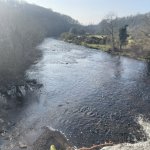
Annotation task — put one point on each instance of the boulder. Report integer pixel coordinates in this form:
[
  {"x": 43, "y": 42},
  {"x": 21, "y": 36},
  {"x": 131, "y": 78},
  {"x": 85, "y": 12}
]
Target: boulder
[{"x": 50, "y": 137}]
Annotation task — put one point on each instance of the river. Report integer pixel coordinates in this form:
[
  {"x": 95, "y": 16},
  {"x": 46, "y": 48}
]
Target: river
[{"x": 91, "y": 96}]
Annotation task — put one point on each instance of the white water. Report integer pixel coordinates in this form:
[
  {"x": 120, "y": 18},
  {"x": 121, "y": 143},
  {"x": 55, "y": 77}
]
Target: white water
[{"x": 143, "y": 145}]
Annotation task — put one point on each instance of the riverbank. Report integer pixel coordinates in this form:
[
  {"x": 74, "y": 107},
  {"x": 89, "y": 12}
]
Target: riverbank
[
  {"x": 15, "y": 85},
  {"x": 100, "y": 43},
  {"x": 13, "y": 92},
  {"x": 143, "y": 55}
]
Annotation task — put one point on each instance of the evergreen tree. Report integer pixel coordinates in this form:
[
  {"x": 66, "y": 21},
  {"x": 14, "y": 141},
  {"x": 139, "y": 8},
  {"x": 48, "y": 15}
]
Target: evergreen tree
[{"x": 123, "y": 36}]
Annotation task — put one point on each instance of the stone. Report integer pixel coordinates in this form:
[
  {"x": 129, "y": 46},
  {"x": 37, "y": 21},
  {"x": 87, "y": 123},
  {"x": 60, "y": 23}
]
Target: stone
[
  {"x": 22, "y": 145},
  {"x": 1, "y": 120},
  {"x": 22, "y": 90}
]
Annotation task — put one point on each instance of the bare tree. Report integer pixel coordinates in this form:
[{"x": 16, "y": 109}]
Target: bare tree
[
  {"x": 146, "y": 29},
  {"x": 110, "y": 25}
]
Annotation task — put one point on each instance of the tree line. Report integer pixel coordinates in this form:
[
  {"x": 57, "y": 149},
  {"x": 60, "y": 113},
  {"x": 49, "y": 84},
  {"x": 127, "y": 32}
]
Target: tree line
[{"x": 137, "y": 26}]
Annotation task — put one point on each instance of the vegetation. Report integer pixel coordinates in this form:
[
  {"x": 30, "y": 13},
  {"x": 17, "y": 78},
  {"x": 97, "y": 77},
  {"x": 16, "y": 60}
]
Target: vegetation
[
  {"x": 110, "y": 24},
  {"x": 123, "y": 36},
  {"x": 112, "y": 35}
]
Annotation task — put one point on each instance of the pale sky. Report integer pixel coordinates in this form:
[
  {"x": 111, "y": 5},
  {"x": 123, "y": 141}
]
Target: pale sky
[{"x": 93, "y": 11}]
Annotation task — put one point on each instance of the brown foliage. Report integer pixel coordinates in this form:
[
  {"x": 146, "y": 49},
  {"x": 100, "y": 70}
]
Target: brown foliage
[{"x": 94, "y": 147}]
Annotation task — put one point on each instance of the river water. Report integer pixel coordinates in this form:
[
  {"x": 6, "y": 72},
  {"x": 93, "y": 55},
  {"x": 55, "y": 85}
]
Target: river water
[{"x": 91, "y": 96}]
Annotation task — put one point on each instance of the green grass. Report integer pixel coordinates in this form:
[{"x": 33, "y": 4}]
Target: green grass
[
  {"x": 129, "y": 52},
  {"x": 97, "y": 46}
]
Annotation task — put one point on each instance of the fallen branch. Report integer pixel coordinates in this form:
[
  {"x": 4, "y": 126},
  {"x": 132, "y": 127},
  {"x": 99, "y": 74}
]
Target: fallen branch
[{"x": 96, "y": 146}]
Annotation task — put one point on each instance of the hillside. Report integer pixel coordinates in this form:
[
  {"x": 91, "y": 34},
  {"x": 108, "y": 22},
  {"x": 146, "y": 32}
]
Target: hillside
[{"x": 23, "y": 26}]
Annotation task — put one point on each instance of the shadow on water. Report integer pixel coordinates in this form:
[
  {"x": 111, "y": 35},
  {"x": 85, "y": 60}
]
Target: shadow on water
[{"x": 148, "y": 68}]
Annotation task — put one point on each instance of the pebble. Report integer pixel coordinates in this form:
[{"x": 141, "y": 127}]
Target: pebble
[{"x": 22, "y": 145}]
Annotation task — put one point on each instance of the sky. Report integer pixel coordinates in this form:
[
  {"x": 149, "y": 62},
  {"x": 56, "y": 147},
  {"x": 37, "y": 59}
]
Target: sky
[{"x": 93, "y": 11}]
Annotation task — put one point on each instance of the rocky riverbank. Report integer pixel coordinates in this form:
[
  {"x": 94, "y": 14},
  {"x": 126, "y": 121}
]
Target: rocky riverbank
[
  {"x": 19, "y": 90},
  {"x": 13, "y": 91},
  {"x": 10, "y": 98}
]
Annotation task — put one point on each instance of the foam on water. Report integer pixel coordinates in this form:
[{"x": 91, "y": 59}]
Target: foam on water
[{"x": 143, "y": 145}]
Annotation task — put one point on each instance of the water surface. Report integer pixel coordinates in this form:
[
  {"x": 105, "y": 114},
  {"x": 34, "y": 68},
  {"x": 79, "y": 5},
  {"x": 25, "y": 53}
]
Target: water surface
[{"x": 90, "y": 96}]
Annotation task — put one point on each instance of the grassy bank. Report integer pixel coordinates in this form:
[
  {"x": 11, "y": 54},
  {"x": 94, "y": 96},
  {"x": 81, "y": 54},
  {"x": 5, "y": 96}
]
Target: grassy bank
[
  {"x": 143, "y": 55},
  {"x": 100, "y": 43},
  {"x": 105, "y": 48}
]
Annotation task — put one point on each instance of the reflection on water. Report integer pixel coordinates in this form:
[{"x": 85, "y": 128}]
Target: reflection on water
[{"x": 148, "y": 68}]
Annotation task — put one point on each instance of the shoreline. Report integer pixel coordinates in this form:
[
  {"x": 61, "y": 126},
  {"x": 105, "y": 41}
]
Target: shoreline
[
  {"x": 138, "y": 54},
  {"x": 124, "y": 52},
  {"x": 11, "y": 84},
  {"x": 13, "y": 93}
]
